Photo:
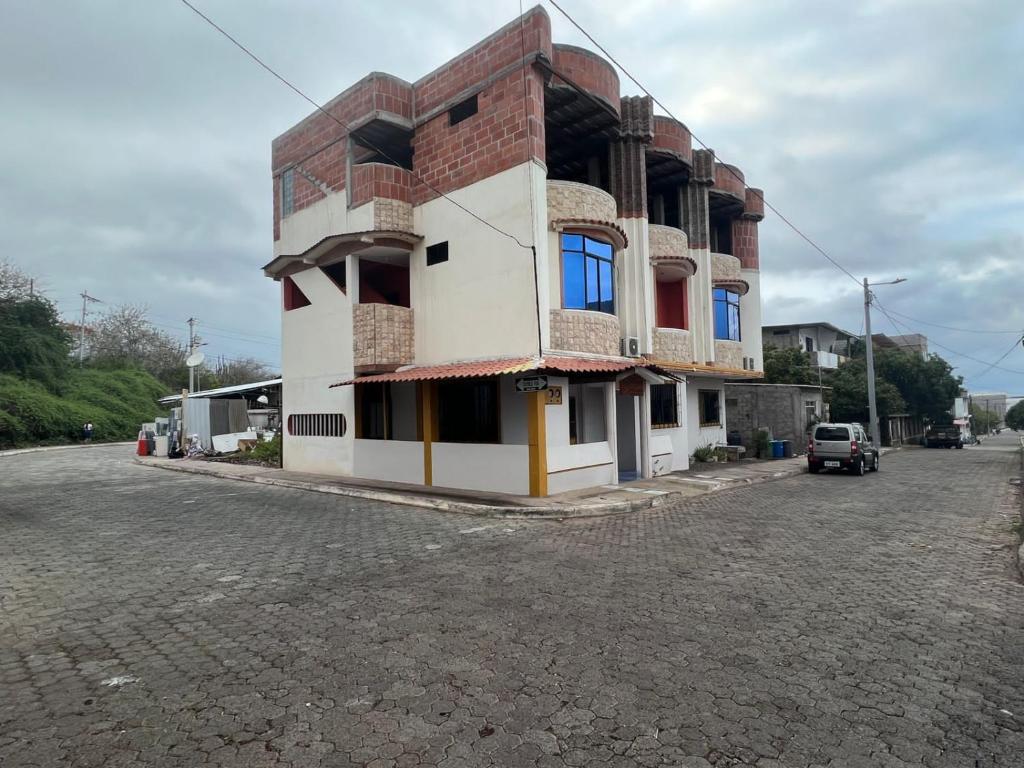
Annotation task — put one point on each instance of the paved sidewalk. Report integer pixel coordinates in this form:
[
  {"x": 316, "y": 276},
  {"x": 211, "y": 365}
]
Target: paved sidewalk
[
  {"x": 43, "y": 448},
  {"x": 603, "y": 500}
]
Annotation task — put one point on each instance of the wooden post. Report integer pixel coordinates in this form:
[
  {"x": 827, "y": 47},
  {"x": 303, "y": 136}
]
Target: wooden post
[{"x": 538, "y": 442}]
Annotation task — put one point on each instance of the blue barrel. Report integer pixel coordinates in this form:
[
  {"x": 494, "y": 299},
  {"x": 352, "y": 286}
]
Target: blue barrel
[{"x": 778, "y": 449}]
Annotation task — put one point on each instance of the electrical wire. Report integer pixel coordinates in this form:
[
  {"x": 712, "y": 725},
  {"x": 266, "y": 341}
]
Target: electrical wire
[
  {"x": 348, "y": 129},
  {"x": 739, "y": 178},
  {"x": 949, "y": 327}
]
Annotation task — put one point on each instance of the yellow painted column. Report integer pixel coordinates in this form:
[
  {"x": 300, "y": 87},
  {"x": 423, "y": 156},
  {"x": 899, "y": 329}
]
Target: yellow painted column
[
  {"x": 536, "y": 420},
  {"x": 428, "y": 427}
]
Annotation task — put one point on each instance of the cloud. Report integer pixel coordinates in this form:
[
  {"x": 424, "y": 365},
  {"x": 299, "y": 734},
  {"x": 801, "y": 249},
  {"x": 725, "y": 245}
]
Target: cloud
[{"x": 135, "y": 158}]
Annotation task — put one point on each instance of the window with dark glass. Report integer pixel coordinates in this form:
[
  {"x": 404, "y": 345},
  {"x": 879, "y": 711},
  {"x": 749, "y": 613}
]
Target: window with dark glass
[
  {"x": 664, "y": 406},
  {"x": 468, "y": 412},
  {"x": 374, "y": 405},
  {"x": 727, "y": 314},
  {"x": 588, "y": 277},
  {"x": 709, "y": 404}
]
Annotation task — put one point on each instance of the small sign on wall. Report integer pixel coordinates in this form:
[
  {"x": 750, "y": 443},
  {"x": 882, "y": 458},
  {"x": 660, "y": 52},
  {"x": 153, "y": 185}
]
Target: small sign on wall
[{"x": 554, "y": 396}]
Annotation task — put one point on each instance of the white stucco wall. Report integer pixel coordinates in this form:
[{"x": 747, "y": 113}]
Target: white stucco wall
[
  {"x": 317, "y": 352},
  {"x": 701, "y": 307},
  {"x": 481, "y": 302},
  {"x": 397, "y": 461},
  {"x": 750, "y": 319},
  {"x": 476, "y": 467},
  {"x": 698, "y": 436},
  {"x": 571, "y": 467},
  {"x": 670, "y": 446}
]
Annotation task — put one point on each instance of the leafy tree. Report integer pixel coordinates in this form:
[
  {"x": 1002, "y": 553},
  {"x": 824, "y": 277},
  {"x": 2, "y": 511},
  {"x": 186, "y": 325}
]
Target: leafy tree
[
  {"x": 789, "y": 365},
  {"x": 849, "y": 401},
  {"x": 983, "y": 421},
  {"x": 1015, "y": 417},
  {"x": 228, "y": 373},
  {"x": 14, "y": 284},
  {"x": 33, "y": 342},
  {"x": 125, "y": 338}
]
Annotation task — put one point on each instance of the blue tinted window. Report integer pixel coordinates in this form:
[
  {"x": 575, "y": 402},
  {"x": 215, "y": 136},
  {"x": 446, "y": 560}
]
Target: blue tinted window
[
  {"x": 574, "y": 283},
  {"x": 588, "y": 277},
  {"x": 727, "y": 315},
  {"x": 607, "y": 282},
  {"x": 572, "y": 242},
  {"x": 596, "y": 247}
]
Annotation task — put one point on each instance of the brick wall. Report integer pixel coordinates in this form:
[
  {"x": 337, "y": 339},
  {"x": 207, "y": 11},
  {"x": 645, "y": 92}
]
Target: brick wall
[
  {"x": 371, "y": 180},
  {"x": 673, "y": 136},
  {"x": 744, "y": 242},
  {"x": 589, "y": 71},
  {"x": 317, "y": 146},
  {"x": 574, "y": 330},
  {"x": 726, "y": 180},
  {"x": 506, "y": 130}
]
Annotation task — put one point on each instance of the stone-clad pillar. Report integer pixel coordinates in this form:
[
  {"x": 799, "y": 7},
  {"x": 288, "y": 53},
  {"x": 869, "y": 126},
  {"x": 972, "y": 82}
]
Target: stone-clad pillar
[
  {"x": 627, "y": 155},
  {"x": 693, "y": 199}
]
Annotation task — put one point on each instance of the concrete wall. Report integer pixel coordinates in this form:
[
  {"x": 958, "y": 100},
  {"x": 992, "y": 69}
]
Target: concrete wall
[
  {"x": 777, "y": 407},
  {"x": 750, "y": 319},
  {"x": 398, "y": 461},
  {"x": 698, "y": 436}
]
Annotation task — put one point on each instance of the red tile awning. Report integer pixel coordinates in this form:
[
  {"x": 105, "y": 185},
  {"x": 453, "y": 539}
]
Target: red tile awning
[{"x": 481, "y": 368}]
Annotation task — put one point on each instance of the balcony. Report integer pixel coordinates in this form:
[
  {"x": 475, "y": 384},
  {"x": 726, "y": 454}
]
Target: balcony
[
  {"x": 382, "y": 337},
  {"x": 670, "y": 253},
  {"x": 725, "y": 273},
  {"x": 579, "y": 330},
  {"x": 571, "y": 204},
  {"x": 672, "y": 345},
  {"x": 826, "y": 360}
]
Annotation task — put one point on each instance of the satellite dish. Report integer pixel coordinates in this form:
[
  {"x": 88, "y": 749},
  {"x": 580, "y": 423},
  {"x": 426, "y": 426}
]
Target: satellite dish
[
  {"x": 263, "y": 400},
  {"x": 195, "y": 359}
]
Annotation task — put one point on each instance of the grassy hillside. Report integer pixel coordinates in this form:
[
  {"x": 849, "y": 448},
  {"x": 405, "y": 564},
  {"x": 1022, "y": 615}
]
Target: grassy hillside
[{"x": 115, "y": 401}]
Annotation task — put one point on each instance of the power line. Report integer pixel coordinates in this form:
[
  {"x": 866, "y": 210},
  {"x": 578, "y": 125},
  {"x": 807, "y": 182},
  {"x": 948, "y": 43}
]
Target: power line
[
  {"x": 996, "y": 365},
  {"x": 739, "y": 178},
  {"x": 949, "y": 327},
  {"x": 348, "y": 130}
]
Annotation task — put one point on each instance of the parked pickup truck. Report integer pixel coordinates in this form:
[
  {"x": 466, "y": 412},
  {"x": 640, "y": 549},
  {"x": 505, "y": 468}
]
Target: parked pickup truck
[{"x": 943, "y": 436}]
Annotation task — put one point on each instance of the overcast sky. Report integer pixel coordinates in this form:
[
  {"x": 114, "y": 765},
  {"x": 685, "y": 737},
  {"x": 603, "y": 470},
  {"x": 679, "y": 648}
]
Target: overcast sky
[{"x": 135, "y": 145}]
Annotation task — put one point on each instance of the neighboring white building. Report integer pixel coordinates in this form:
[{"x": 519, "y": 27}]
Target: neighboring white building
[{"x": 603, "y": 253}]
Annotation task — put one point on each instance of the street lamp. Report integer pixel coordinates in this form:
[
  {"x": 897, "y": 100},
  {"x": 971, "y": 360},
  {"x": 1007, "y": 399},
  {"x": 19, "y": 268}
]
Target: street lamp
[{"x": 876, "y": 436}]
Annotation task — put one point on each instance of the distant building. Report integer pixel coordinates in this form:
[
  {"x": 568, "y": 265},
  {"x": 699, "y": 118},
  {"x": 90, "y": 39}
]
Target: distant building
[
  {"x": 911, "y": 342},
  {"x": 994, "y": 402},
  {"x": 827, "y": 345}
]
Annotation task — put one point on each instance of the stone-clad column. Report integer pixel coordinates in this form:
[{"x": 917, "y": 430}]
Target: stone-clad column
[
  {"x": 627, "y": 157},
  {"x": 693, "y": 199}
]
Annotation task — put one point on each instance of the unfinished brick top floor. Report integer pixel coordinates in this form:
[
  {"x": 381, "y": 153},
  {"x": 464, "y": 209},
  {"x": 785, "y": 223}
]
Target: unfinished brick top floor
[{"x": 513, "y": 97}]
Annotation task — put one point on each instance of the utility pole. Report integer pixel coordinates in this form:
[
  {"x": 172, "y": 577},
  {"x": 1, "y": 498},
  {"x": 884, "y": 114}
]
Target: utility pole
[
  {"x": 876, "y": 436},
  {"x": 191, "y": 351},
  {"x": 86, "y": 298}
]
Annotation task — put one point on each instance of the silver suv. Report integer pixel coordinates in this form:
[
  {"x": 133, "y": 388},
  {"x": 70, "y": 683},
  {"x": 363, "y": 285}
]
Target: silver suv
[{"x": 841, "y": 446}]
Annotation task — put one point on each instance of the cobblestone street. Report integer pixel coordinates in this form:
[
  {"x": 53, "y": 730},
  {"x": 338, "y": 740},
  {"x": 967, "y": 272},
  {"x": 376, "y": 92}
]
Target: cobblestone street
[{"x": 150, "y": 618}]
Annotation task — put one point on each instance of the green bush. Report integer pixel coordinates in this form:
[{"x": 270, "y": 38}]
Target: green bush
[
  {"x": 267, "y": 451},
  {"x": 117, "y": 402}
]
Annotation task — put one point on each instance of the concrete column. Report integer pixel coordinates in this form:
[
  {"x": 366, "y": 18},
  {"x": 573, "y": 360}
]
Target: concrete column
[
  {"x": 645, "y": 432},
  {"x": 611, "y": 428}
]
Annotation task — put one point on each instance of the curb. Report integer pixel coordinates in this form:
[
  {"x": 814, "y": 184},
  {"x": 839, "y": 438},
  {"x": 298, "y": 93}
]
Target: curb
[
  {"x": 479, "y": 510},
  {"x": 45, "y": 448}
]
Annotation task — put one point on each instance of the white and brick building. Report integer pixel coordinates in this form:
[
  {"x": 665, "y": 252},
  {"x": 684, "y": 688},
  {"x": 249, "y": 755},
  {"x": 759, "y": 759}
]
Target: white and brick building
[{"x": 612, "y": 258}]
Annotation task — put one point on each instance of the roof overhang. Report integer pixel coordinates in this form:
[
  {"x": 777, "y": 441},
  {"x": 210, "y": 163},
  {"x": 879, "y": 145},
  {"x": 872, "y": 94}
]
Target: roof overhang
[
  {"x": 334, "y": 247},
  {"x": 613, "y": 231},
  {"x": 478, "y": 369},
  {"x": 736, "y": 285}
]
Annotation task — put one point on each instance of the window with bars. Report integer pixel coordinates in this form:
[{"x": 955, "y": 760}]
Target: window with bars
[{"x": 317, "y": 425}]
